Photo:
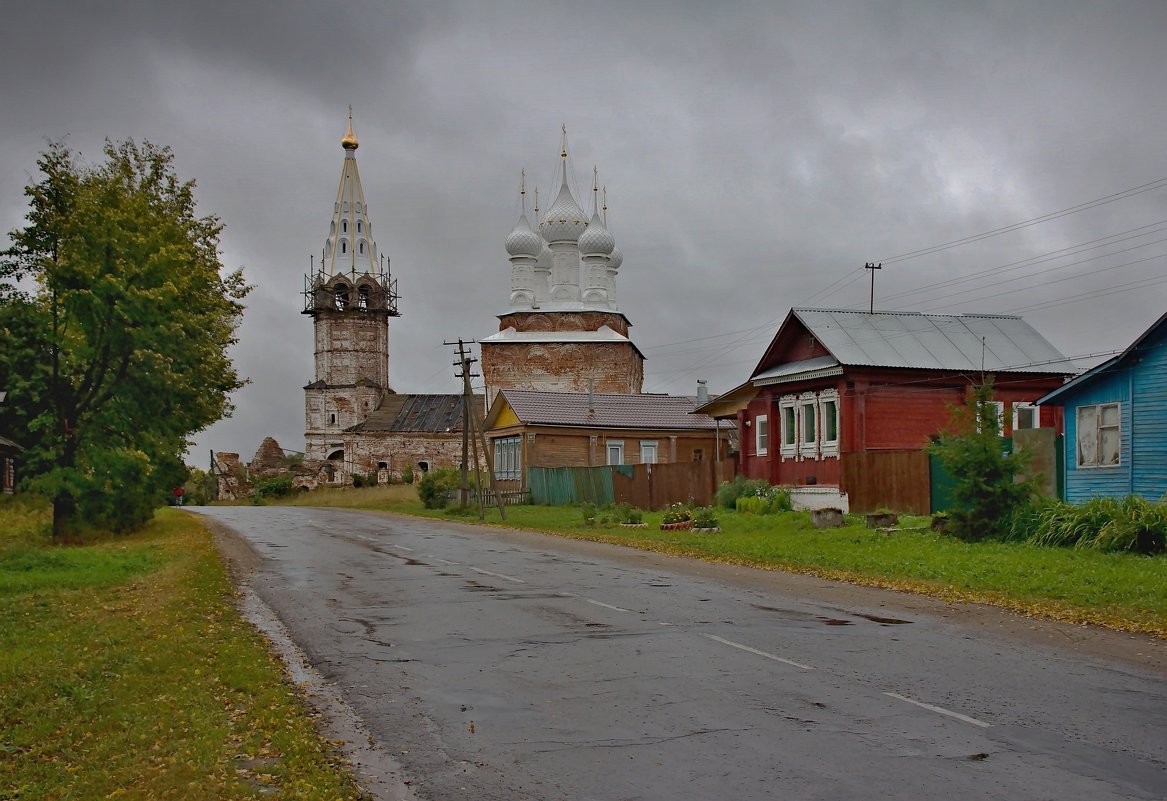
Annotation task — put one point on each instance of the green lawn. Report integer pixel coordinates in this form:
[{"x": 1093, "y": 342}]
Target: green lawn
[
  {"x": 1120, "y": 590},
  {"x": 127, "y": 673}
]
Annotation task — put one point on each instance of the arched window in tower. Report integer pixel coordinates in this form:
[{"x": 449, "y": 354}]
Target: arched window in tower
[
  {"x": 343, "y": 246},
  {"x": 362, "y": 246},
  {"x": 363, "y": 296},
  {"x": 346, "y": 207},
  {"x": 358, "y": 207},
  {"x": 332, "y": 228},
  {"x": 328, "y": 248},
  {"x": 344, "y": 226},
  {"x": 358, "y": 224},
  {"x": 341, "y": 296}
]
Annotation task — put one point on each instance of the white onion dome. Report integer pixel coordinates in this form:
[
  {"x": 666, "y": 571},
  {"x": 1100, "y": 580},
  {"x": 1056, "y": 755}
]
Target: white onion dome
[
  {"x": 615, "y": 258},
  {"x": 565, "y": 220},
  {"x": 544, "y": 260},
  {"x": 523, "y": 241},
  {"x": 596, "y": 240}
]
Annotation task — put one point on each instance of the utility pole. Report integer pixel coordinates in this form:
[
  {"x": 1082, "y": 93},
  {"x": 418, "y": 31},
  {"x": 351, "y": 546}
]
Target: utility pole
[
  {"x": 873, "y": 267},
  {"x": 472, "y": 434}
]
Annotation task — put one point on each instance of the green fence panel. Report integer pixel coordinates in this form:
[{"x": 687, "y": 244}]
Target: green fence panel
[{"x": 560, "y": 486}]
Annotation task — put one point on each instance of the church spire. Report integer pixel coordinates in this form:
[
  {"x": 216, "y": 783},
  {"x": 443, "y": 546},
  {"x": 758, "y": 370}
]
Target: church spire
[{"x": 349, "y": 247}]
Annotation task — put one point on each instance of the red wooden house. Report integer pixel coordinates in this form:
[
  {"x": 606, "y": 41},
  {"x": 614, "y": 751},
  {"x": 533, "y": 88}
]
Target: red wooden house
[{"x": 842, "y": 403}]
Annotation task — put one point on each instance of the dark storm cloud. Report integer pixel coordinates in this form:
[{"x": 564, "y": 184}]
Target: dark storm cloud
[{"x": 755, "y": 154}]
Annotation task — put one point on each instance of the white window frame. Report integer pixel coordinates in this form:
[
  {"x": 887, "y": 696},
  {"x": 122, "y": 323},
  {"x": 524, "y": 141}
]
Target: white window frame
[
  {"x": 761, "y": 435},
  {"x": 508, "y": 458},
  {"x": 614, "y": 445},
  {"x": 808, "y": 447},
  {"x": 1000, "y": 406},
  {"x": 1097, "y": 435},
  {"x": 788, "y": 443},
  {"x": 828, "y": 398},
  {"x": 649, "y": 446},
  {"x": 1018, "y": 408}
]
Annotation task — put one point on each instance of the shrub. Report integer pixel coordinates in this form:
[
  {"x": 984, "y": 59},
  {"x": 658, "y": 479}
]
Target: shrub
[
  {"x": 677, "y": 513},
  {"x": 274, "y": 487},
  {"x": 704, "y": 518},
  {"x": 1106, "y": 524},
  {"x": 588, "y": 510},
  {"x": 730, "y": 491},
  {"x": 407, "y": 475},
  {"x": 764, "y": 500},
  {"x": 436, "y": 485}
]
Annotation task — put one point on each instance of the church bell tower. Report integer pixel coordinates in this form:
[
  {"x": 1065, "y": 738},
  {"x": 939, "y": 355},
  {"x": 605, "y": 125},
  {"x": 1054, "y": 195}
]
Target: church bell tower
[{"x": 350, "y": 299}]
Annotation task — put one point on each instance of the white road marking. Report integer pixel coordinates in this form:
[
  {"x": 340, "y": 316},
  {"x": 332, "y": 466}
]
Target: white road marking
[
  {"x": 940, "y": 710},
  {"x": 497, "y": 575},
  {"x": 738, "y": 645},
  {"x": 443, "y": 561},
  {"x": 400, "y": 547},
  {"x": 607, "y": 606}
]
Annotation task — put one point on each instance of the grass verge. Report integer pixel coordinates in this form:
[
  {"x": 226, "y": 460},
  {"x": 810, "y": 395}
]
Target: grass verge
[
  {"x": 128, "y": 673},
  {"x": 1119, "y": 590}
]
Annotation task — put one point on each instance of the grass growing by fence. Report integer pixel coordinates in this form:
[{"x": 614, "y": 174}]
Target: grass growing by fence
[
  {"x": 1121, "y": 590},
  {"x": 128, "y": 673}
]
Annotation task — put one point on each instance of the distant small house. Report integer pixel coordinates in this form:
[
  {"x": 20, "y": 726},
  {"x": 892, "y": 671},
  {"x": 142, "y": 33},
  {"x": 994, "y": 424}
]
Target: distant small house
[
  {"x": 842, "y": 403},
  {"x": 406, "y": 432},
  {"x": 9, "y": 450},
  {"x": 1116, "y": 422},
  {"x": 533, "y": 428}
]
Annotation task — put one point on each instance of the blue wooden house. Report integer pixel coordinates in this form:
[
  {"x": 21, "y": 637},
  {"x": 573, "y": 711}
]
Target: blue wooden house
[{"x": 1116, "y": 423}]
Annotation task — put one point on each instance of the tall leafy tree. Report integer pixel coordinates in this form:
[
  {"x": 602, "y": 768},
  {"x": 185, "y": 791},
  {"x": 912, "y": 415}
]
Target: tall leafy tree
[
  {"x": 988, "y": 487},
  {"x": 117, "y": 315}
]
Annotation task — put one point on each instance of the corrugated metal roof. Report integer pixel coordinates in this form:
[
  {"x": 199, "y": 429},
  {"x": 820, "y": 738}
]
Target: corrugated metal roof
[
  {"x": 433, "y": 414},
  {"x": 535, "y": 407},
  {"x": 792, "y": 370},
  {"x": 8, "y": 445},
  {"x": 934, "y": 341}
]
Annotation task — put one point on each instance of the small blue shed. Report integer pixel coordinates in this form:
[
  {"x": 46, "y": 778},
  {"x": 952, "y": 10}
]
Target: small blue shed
[{"x": 1116, "y": 423}]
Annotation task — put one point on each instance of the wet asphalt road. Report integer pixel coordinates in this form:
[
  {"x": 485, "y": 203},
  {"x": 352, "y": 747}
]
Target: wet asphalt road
[{"x": 503, "y": 665}]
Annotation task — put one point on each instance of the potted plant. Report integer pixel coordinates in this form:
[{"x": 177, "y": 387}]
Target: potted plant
[
  {"x": 676, "y": 517},
  {"x": 704, "y": 520},
  {"x": 630, "y": 517}
]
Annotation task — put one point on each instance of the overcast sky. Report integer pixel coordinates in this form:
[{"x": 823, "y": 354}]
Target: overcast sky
[{"x": 755, "y": 154}]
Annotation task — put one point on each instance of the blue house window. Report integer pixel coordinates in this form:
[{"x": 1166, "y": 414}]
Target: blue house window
[{"x": 1098, "y": 435}]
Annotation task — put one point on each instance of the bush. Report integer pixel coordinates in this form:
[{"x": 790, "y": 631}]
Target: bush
[
  {"x": 764, "y": 500},
  {"x": 704, "y": 518},
  {"x": 729, "y": 492},
  {"x": 588, "y": 510},
  {"x": 407, "y": 475},
  {"x": 1106, "y": 524},
  {"x": 626, "y": 513},
  {"x": 436, "y": 485},
  {"x": 274, "y": 487},
  {"x": 677, "y": 513}
]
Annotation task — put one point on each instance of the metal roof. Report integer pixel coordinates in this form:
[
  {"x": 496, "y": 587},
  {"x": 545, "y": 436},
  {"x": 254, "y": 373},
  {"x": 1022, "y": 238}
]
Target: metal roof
[
  {"x": 536, "y": 407},
  {"x": 975, "y": 342},
  {"x": 432, "y": 414},
  {"x": 817, "y": 367}
]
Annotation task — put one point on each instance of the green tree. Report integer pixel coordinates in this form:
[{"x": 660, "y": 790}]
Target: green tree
[
  {"x": 117, "y": 318},
  {"x": 988, "y": 489}
]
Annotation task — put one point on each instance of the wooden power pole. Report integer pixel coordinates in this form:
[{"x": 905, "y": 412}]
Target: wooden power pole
[{"x": 472, "y": 436}]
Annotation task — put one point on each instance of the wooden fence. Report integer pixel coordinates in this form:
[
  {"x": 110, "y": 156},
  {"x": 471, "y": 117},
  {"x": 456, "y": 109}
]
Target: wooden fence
[
  {"x": 655, "y": 486},
  {"x": 896, "y": 480},
  {"x": 645, "y": 486}
]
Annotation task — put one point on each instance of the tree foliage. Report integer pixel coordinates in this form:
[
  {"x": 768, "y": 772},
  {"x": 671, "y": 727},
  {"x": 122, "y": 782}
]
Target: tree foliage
[
  {"x": 987, "y": 489},
  {"x": 116, "y": 317}
]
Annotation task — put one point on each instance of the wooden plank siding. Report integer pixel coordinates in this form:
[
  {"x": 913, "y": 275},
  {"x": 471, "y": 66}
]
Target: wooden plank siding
[
  {"x": 1149, "y": 419},
  {"x": 1084, "y": 483},
  {"x": 896, "y": 480}
]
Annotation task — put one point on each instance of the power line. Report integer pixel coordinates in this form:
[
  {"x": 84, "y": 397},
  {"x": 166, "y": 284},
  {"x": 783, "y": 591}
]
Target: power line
[{"x": 1090, "y": 204}]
